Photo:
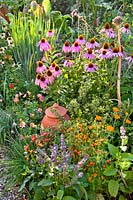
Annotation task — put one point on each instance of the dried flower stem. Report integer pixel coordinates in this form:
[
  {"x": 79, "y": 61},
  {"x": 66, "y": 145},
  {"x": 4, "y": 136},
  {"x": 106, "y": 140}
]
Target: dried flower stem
[{"x": 119, "y": 68}]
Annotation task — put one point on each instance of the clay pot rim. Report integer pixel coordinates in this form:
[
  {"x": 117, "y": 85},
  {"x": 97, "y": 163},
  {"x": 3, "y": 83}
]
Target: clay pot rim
[{"x": 61, "y": 111}]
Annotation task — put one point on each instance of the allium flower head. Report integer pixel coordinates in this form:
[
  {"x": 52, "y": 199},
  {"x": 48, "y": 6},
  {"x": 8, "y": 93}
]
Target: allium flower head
[
  {"x": 126, "y": 28},
  {"x": 75, "y": 47},
  {"x": 117, "y": 21},
  {"x": 66, "y": 47},
  {"x": 40, "y": 67},
  {"x": 50, "y": 34},
  {"x": 44, "y": 45},
  {"x": 89, "y": 54},
  {"x": 81, "y": 40},
  {"x": 92, "y": 44},
  {"x": 91, "y": 67}
]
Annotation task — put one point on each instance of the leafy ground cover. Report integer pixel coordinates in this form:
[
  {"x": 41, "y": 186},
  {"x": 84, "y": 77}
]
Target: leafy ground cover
[{"x": 81, "y": 62}]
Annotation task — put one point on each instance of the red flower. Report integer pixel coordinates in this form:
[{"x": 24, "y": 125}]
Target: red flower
[
  {"x": 33, "y": 138},
  {"x": 11, "y": 86}
]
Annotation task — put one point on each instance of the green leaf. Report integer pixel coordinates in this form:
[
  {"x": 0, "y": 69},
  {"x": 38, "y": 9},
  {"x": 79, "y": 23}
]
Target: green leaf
[
  {"x": 113, "y": 187},
  {"x": 47, "y": 6},
  {"x": 45, "y": 182},
  {"x": 60, "y": 194},
  {"x": 113, "y": 150},
  {"x": 121, "y": 197},
  {"x": 110, "y": 171},
  {"x": 24, "y": 183},
  {"x": 99, "y": 197},
  {"x": 68, "y": 198},
  {"x": 84, "y": 191},
  {"x": 128, "y": 156}
]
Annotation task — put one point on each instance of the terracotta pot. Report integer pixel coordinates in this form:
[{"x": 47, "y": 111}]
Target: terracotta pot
[{"x": 53, "y": 116}]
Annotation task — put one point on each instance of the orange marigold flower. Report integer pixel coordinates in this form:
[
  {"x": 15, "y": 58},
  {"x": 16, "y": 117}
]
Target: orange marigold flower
[
  {"x": 26, "y": 147},
  {"x": 31, "y": 151},
  {"x": 128, "y": 121},
  {"x": 91, "y": 127},
  {"x": 98, "y": 118},
  {"x": 117, "y": 116},
  {"x": 95, "y": 175},
  {"x": 91, "y": 164},
  {"x": 89, "y": 178},
  {"x": 115, "y": 109},
  {"x": 110, "y": 128}
]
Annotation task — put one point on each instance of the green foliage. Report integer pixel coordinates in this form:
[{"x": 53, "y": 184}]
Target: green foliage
[{"x": 113, "y": 187}]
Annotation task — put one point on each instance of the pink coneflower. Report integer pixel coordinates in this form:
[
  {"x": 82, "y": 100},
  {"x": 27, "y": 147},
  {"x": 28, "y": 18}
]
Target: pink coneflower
[
  {"x": 49, "y": 76},
  {"x": 40, "y": 67},
  {"x": 57, "y": 71},
  {"x": 130, "y": 58},
  {"x": 92, "y": 44},
  {"x": 89, "y": 54},
  {"x": 66, "y": 47},
  {"x": 106, "y": 47},
  {"x": 91, "y": 67},
  {"x": 114, "y": 52},
  {"x": 103, "y": 54},
  {"x": 81, "y": 40},
  {"x": 50, "y": 34},
  {"x": 75, "y": 47},
  {"x": 68, "y": 63},
  {"x": 44, "y": 45},
  {"x": 108, "y": 31},
  {"x": 37, "y": 80},
  {"x": 52, "y": 67},
  {"x": 43, "y": 82},
  {"x": 126, "y": 28}
]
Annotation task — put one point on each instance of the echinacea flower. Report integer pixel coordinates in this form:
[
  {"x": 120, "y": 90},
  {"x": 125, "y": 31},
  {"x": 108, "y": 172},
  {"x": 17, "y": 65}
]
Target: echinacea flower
[
  {"x": 44, "y": 45},
  {"x": 43, "y": 83},
  {"x": 49, "y": 76},
  {"x": 52, "y": 66},
  {"x": 66, "y": 47},
  {"x": 37, "y": 80},
  {"x": 130, "y": 58},
  {"x": 75, "y": 47},
  {"x": 89, "y": 54},
  {"x": 68, "y": 63},
  {"x": 103, "y": 54},
  {"x": 114, "y": 53},
  {"x": 109, "y": 32},
  {"x": 91, "y": 67},
  {"x": 40, "y": 67},
  {"x": 81, "y": 40},
  {"x": 92, "y": 44},
  {"x": 126, "y": 28},
  {"x": 50, "y": 34},
  {"x": 57, "y": 71}
]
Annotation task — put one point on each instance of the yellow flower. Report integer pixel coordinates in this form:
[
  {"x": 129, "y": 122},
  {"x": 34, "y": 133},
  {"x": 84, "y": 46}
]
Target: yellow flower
[
  {"x": 115, "y": 109},
  {"x": 126, "y": 113},
  {"x": 128, "y": 121},
  {"x": 110, "y": 128},
  {"x": 98, "y": 118},
  {"x": 117, "y": 116}
]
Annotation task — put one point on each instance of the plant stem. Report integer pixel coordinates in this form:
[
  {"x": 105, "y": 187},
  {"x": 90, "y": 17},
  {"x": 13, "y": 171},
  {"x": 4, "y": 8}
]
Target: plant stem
[{"x": 119, "y": 68}]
